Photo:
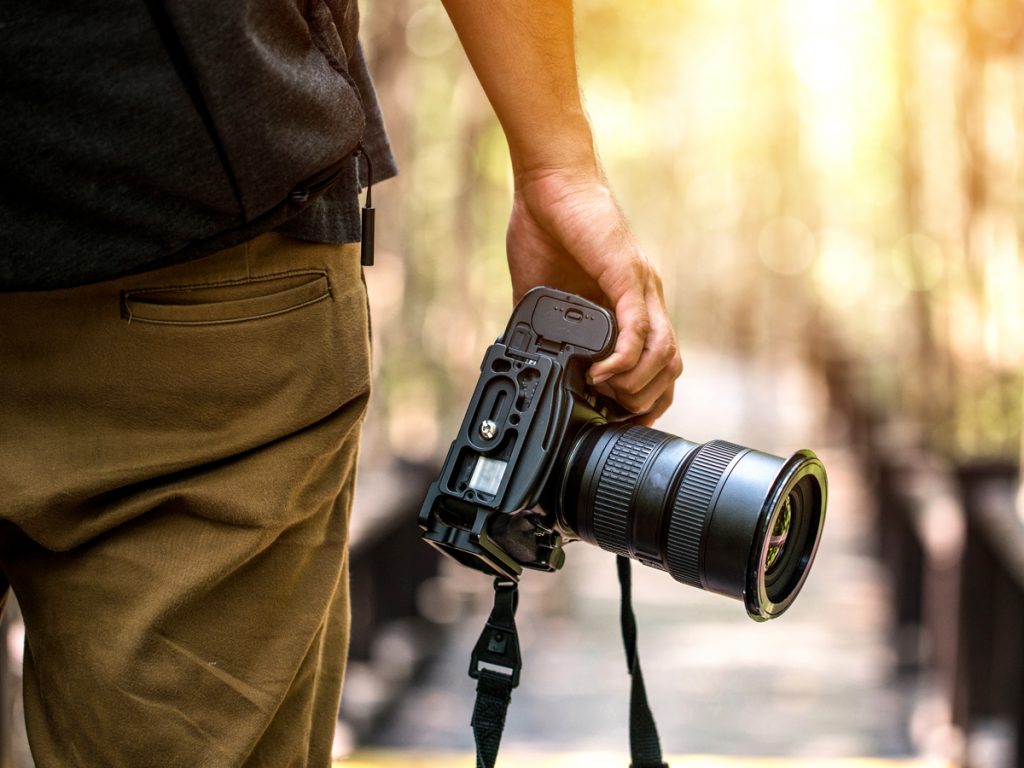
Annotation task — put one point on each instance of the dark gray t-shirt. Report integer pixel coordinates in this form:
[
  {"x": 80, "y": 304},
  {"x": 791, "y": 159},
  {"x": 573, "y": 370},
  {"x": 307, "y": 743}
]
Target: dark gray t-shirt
[
  {"x": 139, "y": 133},
  {"x": 334, "y": 216}
]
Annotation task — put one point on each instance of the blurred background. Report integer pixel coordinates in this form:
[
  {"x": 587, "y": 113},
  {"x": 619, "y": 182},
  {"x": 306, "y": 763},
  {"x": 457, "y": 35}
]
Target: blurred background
[
  {"x": 833, "y": 194},
  {"x": 808, "y": 176}
]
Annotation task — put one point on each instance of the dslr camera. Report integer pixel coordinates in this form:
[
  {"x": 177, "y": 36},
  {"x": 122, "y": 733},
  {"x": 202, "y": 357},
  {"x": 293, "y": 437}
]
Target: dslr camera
[{"x": 541, "y": 460}]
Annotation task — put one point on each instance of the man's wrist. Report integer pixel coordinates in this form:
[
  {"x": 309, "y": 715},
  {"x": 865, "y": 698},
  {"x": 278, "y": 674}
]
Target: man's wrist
[{"x": 563, "y": 145}]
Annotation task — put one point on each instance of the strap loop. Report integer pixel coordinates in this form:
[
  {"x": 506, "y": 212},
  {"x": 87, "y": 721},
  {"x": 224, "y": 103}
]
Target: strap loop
[{"x": 497, "y": 650}]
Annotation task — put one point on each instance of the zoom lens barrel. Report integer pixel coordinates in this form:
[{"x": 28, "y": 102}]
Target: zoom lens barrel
[{"x": 717, "y": 516}]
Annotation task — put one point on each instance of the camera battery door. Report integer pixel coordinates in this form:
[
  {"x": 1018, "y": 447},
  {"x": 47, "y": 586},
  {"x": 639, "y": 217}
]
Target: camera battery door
[
  {"x": 560, "y": 325},
  {"x": 587, "y": 327}
]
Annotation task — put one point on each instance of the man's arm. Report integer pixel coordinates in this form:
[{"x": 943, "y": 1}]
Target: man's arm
[{"x": 566, "y": 229}]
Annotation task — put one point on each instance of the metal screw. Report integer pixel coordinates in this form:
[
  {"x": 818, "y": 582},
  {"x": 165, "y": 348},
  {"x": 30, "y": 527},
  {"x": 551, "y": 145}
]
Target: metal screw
[{"x": 488, "y": 429}]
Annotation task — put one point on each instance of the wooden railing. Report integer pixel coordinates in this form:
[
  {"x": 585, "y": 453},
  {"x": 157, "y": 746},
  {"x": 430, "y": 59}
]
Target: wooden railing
[
  {"x": 989, "y": 684},
  {"x": 388, "y": 564},
  {"x": 953, "y": 544}
]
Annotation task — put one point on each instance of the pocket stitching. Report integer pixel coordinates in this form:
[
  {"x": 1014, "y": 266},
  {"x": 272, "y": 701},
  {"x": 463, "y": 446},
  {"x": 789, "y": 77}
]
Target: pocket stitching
[
  {"x": 221, "y": 283},
  {"x": 129, "y": 316}
]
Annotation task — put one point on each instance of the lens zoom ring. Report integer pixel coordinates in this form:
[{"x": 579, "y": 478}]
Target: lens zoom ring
[
  {"x": 618, "y": 481},
  {"x": 691, "y": 507}
]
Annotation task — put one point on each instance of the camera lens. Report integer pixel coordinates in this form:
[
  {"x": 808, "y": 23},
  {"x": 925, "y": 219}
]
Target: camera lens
[{"x": 717, "y": 516}]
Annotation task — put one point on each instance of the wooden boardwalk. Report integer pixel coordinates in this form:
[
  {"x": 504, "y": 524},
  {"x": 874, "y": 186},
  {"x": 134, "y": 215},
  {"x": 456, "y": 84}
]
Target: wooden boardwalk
[
  {"x": 386, "y": 759},
  {"x": 818, "y": 687}
]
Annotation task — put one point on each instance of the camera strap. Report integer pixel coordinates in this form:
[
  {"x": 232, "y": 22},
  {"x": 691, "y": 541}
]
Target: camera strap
[
  {"x": 644, "y": 745},
  {"x": 495, "y": 664}
]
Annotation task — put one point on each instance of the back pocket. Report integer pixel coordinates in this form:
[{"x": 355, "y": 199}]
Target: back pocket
[{"x": 228, "y": 302}]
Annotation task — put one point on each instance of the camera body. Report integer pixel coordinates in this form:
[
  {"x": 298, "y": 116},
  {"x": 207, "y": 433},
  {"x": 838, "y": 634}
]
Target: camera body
[
  {"x": 490, "y": 508},
  {"x": 540, "y": 460}
]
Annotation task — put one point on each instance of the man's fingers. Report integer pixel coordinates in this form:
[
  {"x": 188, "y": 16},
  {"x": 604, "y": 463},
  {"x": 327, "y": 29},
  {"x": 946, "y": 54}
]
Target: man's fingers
[
  {"x": 660, "y": 406},
  {"x": 660, "y": 352},
  {"x": 634, "y": 325},
  {"x": 645, "y": 401},
  {"x": 644, "y": 387}
]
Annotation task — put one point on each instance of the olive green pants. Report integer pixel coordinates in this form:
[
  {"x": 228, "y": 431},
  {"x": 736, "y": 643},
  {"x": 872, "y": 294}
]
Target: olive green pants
[{"x": 177, "y": 459}]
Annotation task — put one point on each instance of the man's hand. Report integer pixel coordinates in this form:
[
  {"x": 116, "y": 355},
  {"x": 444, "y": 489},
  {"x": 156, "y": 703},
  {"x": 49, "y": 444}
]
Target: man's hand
[{"x": 567, "y": 232}]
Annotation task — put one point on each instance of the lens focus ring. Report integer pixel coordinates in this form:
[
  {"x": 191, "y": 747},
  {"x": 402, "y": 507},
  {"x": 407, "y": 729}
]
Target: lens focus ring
[
  {"x": 692, "y": 506},
  {"x": 617, "y": 484}
]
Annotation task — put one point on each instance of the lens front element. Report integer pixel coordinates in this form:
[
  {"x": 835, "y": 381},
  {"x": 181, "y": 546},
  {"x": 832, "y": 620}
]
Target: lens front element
[
  {"x": 797, "y": 514},
  {"x": 779, "y": 534}
]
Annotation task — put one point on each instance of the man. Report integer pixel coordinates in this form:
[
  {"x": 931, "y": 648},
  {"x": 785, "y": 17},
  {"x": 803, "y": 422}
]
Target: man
[{"x": 184, "y": 359}]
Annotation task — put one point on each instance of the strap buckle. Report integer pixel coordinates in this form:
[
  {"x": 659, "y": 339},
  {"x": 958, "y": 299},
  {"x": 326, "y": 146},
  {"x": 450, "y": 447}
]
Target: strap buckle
[{"x": 497, "y": 650}]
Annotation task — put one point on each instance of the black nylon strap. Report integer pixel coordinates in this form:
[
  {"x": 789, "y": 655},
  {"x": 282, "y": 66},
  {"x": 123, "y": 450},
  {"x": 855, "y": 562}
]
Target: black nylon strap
[
  {"x": 495, "y": 664},
  {"x": 493, "y": 693},
  {"x": 644, "y": 745}
]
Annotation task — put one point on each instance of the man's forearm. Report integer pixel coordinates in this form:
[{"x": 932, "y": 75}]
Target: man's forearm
[
  {"x": 565, "y": 230},
  {"x": 523, "y": 53}
]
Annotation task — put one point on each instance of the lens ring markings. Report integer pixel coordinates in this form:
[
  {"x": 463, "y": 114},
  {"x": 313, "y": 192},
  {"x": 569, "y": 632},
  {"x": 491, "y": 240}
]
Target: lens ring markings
[
  {"x": 692, "y": 507},
  {"x": 617, "y": 484}
]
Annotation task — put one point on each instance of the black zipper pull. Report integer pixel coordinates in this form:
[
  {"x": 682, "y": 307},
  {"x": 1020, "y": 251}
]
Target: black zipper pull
[{"x": 366, "y": 238}]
